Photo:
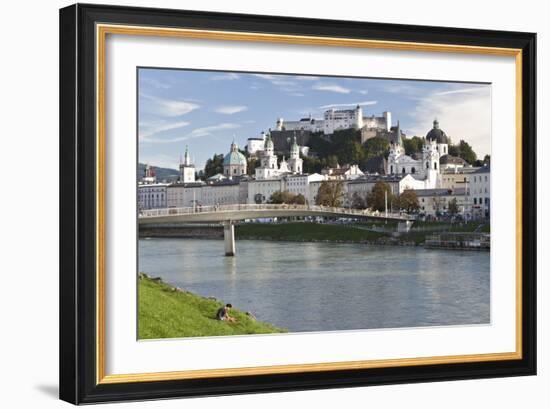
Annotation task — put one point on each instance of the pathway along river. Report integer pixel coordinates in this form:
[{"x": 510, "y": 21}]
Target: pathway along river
[{"x": 329, "y": 286}]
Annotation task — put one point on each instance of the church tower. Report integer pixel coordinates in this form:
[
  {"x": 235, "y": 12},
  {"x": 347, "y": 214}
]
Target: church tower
[
  {"x": 268, "y": 161},
  {"x": 396, "y": 151},
  {"x": 187, "y": 169},
  {"x": 430, "y": 159},
  {"x": 295, "y": 162}
]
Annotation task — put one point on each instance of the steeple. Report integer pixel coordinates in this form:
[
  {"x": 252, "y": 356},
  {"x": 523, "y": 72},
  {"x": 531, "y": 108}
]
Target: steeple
[
  {"x": 398, "y": 139},
  {"x": 187, "y": 157},
  {"x": 294, "y": 148}
]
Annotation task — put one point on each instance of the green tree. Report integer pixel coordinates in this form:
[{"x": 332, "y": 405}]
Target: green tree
[
  {"x": 213, "y": 166},
  {"x": 253, "y": 163},
  {"x": 487, "y": 160},
  {"x": 413, "y": 145},
  {"x": 376, "y": 198},
  {"x": 463, "y": 150},
  {"x": 331, "y": 193},
  {"x": 453, "y": 207},
  {"x": 312, "y": 165},
  {"x": 376, "y": 147},
  {"x": 466, "y": 152},
  {"x": 408, "y": 201},
  {"x": 350, "y": 152}
]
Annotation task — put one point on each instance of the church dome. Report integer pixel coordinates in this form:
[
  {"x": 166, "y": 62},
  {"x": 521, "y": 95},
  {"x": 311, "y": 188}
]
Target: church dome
[
  {"x": 234, "y": 157},
  {"x": 436, "y": 134}
]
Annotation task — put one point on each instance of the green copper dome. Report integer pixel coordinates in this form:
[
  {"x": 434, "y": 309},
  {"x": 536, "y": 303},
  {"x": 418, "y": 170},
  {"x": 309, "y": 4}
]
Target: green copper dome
[{"x": 234, "y": 157}]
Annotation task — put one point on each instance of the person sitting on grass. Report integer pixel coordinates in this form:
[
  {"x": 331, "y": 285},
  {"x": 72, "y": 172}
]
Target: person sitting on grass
[{"x": 223, "y": 314}]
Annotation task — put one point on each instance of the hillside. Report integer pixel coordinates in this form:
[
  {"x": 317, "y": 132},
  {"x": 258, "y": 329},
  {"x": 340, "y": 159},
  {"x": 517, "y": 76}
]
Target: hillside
[{"x": 163, "y": 174}]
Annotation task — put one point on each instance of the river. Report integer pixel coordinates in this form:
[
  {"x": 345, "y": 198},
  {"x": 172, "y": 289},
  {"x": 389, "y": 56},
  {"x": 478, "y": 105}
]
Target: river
[{"x": 329, "y": 286}]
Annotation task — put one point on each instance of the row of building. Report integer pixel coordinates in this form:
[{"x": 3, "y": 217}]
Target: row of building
[{"x": 436, "y": 177}]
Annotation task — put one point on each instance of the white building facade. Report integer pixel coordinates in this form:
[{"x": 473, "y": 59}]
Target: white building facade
[
  {"x": 152, "y": 196},
  {"x": 480, "y": 193}
]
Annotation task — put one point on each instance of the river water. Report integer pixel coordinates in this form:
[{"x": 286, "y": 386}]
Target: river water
[{"x": 329, "y": 286}]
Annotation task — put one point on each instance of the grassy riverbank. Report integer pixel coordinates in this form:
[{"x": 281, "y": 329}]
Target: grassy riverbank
[
  {"x": 352, "y": 233},
  {"x": 168, "y": 312},
  {"x": 305, "y": 232}
]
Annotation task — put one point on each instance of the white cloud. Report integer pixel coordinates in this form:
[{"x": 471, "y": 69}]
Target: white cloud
[
  {"x": 462, "y": 115},
  {"x": 150, "y": 128},
  {"x": 349, "y": 104},
  {"x": 195, "y": 133},
  {"x": 155, "y": 83},
  {"x": 230, "y": 109},
  {"x": 166, "y": 107},
  {"x": 331, "y": 88},
  {"x": 363, "y": 92},
  {"x": 229, "y": 76},
  {"x": 461, "y": 91},
  {"x": 306, "y": 78},
  {"x": 284, "y": 82}
]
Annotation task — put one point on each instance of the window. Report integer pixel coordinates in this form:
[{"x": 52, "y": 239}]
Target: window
[
  {"x": 413, "y": 170},
  {"x": 427, "y": 165},
  {"x": 475, "y": 200},
  {"x": 435, "y": 165}
]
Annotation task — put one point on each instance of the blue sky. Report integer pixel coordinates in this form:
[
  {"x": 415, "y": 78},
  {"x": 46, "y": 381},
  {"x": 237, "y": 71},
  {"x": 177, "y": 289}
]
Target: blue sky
[{"x": 207, "y": 109}]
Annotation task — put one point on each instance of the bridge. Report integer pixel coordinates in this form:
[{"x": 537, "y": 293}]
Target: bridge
[{"x": 228, "y": 214}]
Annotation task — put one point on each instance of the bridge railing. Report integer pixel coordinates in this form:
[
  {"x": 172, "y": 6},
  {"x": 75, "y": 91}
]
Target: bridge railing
[{"x": 176, "y": 211}]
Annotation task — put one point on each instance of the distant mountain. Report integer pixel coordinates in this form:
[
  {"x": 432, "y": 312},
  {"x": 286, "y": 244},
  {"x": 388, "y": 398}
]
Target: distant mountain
[{"x": 163, "y": 174}]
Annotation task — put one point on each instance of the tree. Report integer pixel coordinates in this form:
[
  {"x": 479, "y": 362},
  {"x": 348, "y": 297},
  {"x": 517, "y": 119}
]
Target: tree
[
  {"x": 350, "y": 151},
  {"x": 213, "y": 166},
  {"x": 413, "y": 145},
  {"x": 466, "y": 152},
  {"x": 298, "y": 199},
  {"x": 453, "y": 207},
  {"x": 252, "y": 165},
  {"x": 312, "y": 165},
  {"x": 463, "y": 150},
  {"x": 287, "y": 198},
  {"x": 376, "y": 147},
  {"x": 487, "y": 160},
  {"x": 358, "y": 201},
  {"x": 331, "y": 193},
  {"x": 376, "y": 198},
  {"x": 408, "y": 201}
]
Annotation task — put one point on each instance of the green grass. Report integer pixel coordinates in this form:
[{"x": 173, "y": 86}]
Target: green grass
[
  {"x": 165, "y": 312},
  {"x": 305, "y": 232},
  {"x": 357, "y": 232}
]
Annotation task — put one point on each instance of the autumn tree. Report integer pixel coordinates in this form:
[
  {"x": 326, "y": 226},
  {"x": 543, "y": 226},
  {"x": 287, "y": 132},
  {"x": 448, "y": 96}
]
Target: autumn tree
[
  {"x": 331, "y": 193},
  {"x": 408, "y": 201},
  {"x": 453, "y": 207},
  {"x": 287, "y": 197},
  {"x": 376, "y": 198}
]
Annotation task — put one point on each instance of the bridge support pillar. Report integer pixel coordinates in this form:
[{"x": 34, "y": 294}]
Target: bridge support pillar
[
  {"x": 404, "y": 226},
  {"x": 229, "y": 238}
]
